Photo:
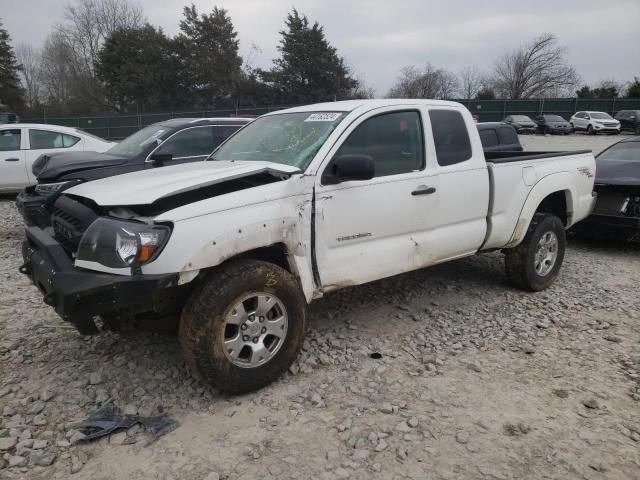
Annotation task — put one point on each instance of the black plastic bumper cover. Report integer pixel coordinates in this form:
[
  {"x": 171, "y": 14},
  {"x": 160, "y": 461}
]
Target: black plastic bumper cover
[
  {"x": 612, "y": 221},
  {"x": 78, "y": 295},
  {"x": 33, "y": 209}
]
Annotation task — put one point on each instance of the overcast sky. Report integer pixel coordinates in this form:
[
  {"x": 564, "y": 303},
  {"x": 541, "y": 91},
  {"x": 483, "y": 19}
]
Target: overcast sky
[{"x": 378, "y": 37}]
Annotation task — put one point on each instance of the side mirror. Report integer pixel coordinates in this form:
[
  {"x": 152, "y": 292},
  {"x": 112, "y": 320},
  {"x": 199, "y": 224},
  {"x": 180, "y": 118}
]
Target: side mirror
[
  {"x": 159, "y": 159},
  {"x": 350, "y": 167}
]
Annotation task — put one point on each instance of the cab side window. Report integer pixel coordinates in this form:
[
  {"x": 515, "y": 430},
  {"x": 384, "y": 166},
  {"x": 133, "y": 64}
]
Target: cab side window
[
  {"x": 188, "y": 143},
  {"x": 450, "y": 136},
  {"x": 9, "y": 140},
  {"x": 393, "y": 140}
]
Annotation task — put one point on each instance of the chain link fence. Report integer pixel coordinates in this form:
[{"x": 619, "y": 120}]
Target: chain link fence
[{"x": 119, "y": 126}]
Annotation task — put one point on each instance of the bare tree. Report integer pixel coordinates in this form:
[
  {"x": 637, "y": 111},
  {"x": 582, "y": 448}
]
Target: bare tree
[
  {"x": 362, "y": 90},
  {"x": 55, "y": 73},
  {"x": 88, "y": 24},
  {"x": 29, "y": 59},
  {"x": 534, "y": 70},
  {"x": 471, "y": 82},
  {"x": 429, "y": 82}
]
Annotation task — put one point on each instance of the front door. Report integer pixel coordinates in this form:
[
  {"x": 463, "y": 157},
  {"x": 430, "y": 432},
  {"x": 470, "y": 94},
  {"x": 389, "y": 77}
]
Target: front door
[
  {"x": 372, "y": 229},
  {"x": 13, "y": 167}
]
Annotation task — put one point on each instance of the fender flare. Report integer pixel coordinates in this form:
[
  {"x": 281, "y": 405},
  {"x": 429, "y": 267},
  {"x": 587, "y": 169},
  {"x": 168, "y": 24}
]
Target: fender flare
[{"x": 552, "y": 183}]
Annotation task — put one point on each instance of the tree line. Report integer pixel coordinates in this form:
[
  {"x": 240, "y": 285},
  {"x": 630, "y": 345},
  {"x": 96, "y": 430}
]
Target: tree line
[{"x": 105, "y": 56}]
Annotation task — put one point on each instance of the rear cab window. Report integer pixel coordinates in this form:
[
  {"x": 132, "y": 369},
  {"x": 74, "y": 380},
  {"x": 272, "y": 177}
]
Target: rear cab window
[
  {"x": 489, "y": 138},
  {"x": 450, "y": 136},
  {"x": 507, "y": 136}
]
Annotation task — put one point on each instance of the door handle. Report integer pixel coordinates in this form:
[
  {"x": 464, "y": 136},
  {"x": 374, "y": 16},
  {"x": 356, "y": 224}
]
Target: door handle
[
  {"x": 11, "y": 159},
  {"x": 424, "y": 191}
]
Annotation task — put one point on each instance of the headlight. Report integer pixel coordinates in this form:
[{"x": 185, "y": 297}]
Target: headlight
[
  {"x": 598, "y": 121},
  {"x": 120, "y": 244},
  {"x": 46, "y": 189}
]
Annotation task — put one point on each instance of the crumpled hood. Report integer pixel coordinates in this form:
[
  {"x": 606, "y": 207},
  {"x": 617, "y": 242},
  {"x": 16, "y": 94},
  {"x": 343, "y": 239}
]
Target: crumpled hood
[
  {"x": 49, "y": 167},
  {"x": 145, "y": 187},
  {"x": 618, "y": 172}
]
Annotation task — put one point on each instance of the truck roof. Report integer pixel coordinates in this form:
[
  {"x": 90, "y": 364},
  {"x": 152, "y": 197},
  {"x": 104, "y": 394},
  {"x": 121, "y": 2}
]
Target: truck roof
[
  {"x": 365, "y": 105},
  {"x": 180, "y": 122}
]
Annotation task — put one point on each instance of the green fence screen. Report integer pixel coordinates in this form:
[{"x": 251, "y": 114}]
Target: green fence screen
[{"x": 118, "y": 126}]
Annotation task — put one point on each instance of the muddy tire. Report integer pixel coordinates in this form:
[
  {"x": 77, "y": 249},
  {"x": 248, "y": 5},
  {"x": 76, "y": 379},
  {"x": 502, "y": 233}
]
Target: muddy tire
[
  {"x": 535, "y": 263},
  {"x": 243, "y": 326}
]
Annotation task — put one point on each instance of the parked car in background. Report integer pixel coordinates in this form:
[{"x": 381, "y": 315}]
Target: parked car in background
[
  {"x": 22, "y": 143},
  {"x": 550, "y": 124},
  {"x": 522, "y": 123},
  {"x": 498, "y": 137},
  {"x": 617, "y": 211},
  {"x": 629, "y": 120},
  {"x": 295, "y": 205},
  {"x": 595, "y": 122},
  {"x": 180, "y": 140},
  {"x": 8, "y": 117}
]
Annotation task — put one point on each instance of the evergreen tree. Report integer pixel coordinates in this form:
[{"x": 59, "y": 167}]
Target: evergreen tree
[
  {"x": 139, "y": 69},
  {"x": 208, "y": 51},
  {"x": 11, "y": 92},
  {"x": 309, "y": 69}
]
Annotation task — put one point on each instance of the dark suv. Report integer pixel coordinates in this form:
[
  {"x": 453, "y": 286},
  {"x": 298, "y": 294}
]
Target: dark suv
[
  {"x": 180, "y": 140},
  {"x": 629, "y": 120}
]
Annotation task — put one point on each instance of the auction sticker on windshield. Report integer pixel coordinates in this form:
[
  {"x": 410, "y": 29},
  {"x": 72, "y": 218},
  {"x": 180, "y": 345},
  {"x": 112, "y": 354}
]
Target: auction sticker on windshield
[{"x": 323, "y": 117}]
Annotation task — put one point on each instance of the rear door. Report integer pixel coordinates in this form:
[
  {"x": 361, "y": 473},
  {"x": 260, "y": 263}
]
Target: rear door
[
  {"x": 460, "y": 221},
  {"x": 13, "y": 167},
  {"x": 376, "y": 228}
]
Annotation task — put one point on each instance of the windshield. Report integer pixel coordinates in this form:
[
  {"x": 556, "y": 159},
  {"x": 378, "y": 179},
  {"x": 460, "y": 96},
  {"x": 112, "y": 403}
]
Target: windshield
[
  {"x": 622, "y": 151},
  {"x": 521, "y": 118},
  {"x": 288, "y": 138},
  {"x": 554, "y": 118},
  {"x": 137, "y": 143},
  {"x": 601, "y": 116}
]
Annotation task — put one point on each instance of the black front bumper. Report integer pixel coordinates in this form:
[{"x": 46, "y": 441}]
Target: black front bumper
[
  {"x": 33, "y": 208},
  {"x": 79, "y": 295}
]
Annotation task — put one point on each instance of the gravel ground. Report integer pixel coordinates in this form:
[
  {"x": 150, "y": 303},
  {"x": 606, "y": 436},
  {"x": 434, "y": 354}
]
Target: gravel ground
[{"x": 444, "y": 373}]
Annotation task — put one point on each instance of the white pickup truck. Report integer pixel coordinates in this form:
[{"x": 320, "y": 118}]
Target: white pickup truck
[{"x": 296, "y": 204}]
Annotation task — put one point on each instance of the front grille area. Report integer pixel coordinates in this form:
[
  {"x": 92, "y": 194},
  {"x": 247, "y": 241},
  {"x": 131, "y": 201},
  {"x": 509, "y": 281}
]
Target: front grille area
[{"x": 69, "y": 220}]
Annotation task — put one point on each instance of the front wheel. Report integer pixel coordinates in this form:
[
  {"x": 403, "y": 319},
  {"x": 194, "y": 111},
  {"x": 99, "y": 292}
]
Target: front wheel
[
  {"x": 535, "y": 263},
  {"x": 243, "y": 326},
  {"x": 590, "y": 130}
]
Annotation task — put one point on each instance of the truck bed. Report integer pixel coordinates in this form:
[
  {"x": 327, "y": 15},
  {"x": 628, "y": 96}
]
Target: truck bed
[{"x": 513, "y": 177}]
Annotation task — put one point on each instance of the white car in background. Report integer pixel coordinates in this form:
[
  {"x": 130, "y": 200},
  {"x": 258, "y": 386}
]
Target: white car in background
[
  {"x": 22, "y": 143},
  {"x": 595, "y": 122}
]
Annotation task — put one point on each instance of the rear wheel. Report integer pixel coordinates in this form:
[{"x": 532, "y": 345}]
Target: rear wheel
[
  {"x": 244, "y": 326},
  {"x": 535, "y": 263}
]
